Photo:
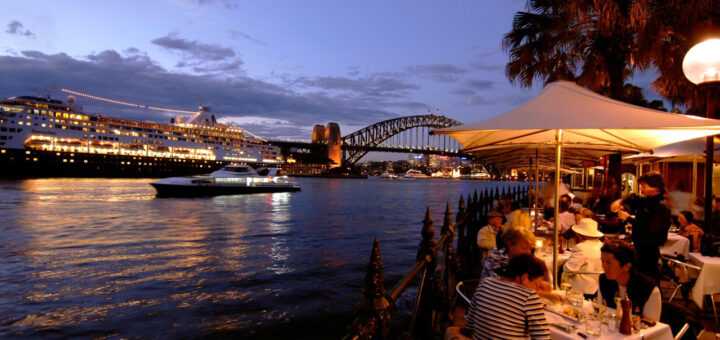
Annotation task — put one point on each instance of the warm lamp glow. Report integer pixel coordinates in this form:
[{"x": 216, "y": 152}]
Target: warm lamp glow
[
  {"x": 702, "y": 62},
  {"x": 538, "y": 244}
]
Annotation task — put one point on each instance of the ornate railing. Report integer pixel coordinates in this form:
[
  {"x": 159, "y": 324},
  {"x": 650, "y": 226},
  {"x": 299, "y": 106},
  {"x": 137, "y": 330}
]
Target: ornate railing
[{"x": 432, "y": 310}]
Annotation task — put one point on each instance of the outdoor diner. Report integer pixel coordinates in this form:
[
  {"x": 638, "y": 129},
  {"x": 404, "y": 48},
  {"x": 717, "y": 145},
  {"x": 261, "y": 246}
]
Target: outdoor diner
[{"x": 603, "y": 261}]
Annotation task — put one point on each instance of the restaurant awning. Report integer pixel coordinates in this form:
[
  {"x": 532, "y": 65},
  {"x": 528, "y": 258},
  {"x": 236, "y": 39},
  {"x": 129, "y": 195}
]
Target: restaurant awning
[{"x": 588, "y": 120}]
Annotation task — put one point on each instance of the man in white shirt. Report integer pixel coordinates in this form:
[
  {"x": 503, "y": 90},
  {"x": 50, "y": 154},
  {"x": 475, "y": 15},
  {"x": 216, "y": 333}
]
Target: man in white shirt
[{"x": 584, "y": 266}]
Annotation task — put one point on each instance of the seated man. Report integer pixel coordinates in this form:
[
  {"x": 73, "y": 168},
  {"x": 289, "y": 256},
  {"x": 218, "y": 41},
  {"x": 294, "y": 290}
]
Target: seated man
[
  {"x": 585, "y": 258},
  {"x": 486, "y": 237},
  {"x": 621, "y": 277},
  {"x": 509, "y": 307}
]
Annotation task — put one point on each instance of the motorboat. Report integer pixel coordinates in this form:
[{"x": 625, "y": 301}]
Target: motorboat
[
  {"x": 388, "y": 174},
  {"x": 231, "y": 179},
  {"x": 412, "y": 173}
]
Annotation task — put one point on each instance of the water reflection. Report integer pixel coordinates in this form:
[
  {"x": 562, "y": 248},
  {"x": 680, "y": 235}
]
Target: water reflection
[{"x": 98, "y": 257}]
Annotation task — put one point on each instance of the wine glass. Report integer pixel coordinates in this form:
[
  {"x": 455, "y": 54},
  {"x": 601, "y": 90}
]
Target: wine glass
[
  {"x": 599, "y": 306},
  {"x": 565, "y": 285}
]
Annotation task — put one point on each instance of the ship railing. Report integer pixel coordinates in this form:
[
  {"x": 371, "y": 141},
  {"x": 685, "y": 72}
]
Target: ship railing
[{"x": 432, "y": 310}]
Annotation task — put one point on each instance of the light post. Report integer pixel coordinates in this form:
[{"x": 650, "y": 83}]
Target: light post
[{"x": 701, "y": 66}]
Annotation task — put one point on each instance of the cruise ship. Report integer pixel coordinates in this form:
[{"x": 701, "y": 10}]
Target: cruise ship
[{"x": 42, "y": 137}]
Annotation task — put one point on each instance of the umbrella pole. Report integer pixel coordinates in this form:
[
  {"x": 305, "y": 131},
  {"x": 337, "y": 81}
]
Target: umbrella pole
[
  {"x": 537, "y": 189},
  {"x": 529, "y": 186},
  {"x": 694, "y": 178},
  {"x": 558, "y": 152}
]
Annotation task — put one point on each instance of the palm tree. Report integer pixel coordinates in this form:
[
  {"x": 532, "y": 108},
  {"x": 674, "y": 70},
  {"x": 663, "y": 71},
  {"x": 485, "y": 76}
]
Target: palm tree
[
  {"x": 600, "y": 43},
  {"x": 679, "y": 27}
]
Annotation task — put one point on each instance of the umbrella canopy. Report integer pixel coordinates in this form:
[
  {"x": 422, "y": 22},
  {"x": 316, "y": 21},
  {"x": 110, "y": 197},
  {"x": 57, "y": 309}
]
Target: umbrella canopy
[
  {"x": 589, "y": 121},
  {"x": 685, "y": 151},
  {"x": 565, "y": 115}
]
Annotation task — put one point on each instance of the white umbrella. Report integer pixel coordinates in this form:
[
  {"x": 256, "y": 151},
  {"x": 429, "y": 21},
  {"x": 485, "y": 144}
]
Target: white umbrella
[{"x": 565, "y": 115}]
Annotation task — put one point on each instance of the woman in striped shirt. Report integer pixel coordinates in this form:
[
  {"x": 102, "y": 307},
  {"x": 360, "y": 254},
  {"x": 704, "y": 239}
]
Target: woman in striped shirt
[{"x": 508, "y": 307}]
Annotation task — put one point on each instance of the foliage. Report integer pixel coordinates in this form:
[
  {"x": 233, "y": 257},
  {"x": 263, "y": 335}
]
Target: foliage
[{"x": 600, "y": 43}]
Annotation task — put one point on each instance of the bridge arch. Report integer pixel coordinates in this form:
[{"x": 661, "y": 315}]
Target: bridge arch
[{"x": 354, "y": 145}]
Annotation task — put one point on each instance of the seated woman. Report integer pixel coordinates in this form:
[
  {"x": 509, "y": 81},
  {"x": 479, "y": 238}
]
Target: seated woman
[
  {"x": 688, "y": 229},
  {"x": 618, "y": 262},
  {"x": 509, "y": 307},
  {"x": 516, "y": 241},
  {"x": 585, "y": 258}
]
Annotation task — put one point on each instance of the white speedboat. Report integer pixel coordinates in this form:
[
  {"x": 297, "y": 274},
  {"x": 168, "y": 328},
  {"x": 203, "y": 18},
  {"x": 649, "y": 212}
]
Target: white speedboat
[
  {"x": 388, "y": 174},
  {"x": 412, "y": 173},
  {"x": 229, "y": 180}
]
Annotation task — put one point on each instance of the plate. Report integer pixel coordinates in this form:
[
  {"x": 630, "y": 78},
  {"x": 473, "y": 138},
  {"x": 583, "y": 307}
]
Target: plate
[{"x": 568, "y": 312}]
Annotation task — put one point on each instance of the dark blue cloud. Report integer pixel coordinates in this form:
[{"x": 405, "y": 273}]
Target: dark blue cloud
[{"x": 15, "y": 27}]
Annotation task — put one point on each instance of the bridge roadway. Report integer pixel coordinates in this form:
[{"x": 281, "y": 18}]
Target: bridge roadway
[{"x": 286, "y": 146}]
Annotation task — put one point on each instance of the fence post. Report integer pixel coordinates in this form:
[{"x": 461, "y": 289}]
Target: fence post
[
  {"x": 449, "y": 268},
  {"x": 462, "y": 245},
  {"x": 421, "y": 323},
  {"x": 372, "y": 319}
]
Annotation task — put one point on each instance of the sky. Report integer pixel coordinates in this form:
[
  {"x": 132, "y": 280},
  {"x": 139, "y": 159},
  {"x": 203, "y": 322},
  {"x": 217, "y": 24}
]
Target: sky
[{"x": 275, "y": 67}]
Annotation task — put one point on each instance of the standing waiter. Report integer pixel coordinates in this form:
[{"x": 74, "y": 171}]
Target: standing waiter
[{"x": 651, "y": 222}]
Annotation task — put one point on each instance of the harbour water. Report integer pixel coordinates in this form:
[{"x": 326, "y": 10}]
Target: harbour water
[{"x": 105, "y": 258}]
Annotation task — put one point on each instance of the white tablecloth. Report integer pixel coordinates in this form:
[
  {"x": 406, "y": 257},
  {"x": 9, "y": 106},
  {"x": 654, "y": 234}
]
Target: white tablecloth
[
  {"x": 708, "y": 282},
  {"x": 548, "y": 259},
  {"x": 676, "y": 245},
  {"x": 660, "y": 331}
]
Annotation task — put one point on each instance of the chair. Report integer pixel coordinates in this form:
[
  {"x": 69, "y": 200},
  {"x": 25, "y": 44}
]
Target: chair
[
  {"x": 466, "y": 289},
  {"x": 683, "y": 321},
  {"x": 682, "y": 274},
  {"x": 682, "y": 331}
]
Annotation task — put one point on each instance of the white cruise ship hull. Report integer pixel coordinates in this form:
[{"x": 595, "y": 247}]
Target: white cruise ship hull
[{"x": 46, "y": 138}]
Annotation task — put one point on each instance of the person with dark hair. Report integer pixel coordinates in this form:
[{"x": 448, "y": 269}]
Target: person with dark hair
[
  {"x": 516, "y": 241},
  {"x": 621, "y": 278},
  {"x": 566, "y": 218},
  {"x": 651, "y": 223},
  {"x": 509, "y": 307},
  {"x": 689, "y": 229}
]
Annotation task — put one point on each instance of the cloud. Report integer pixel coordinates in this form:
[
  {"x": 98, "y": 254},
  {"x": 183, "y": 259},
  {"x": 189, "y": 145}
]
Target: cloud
[
  {"x": 133, "y": 77},
  {"x": 200, "y": 57},
  {"x": 478, "y": 84},
  {"x": 228, "y": 4},
  {"x": 377, "y": 85},
  {"x": 238, "y": 34},
  {"x": 444, "y": 73},
  {"x": 483, "y": 66},
  {"x": 15, "y": 27},
  {"x": 194, "y": 49}
]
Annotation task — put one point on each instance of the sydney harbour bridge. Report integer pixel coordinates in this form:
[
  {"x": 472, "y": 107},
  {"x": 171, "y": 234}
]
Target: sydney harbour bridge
[{"x": 409, "y": 134}]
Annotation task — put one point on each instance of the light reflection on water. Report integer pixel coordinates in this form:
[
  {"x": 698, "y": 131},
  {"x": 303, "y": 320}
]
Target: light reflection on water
[{"x": 96, "y": 257}]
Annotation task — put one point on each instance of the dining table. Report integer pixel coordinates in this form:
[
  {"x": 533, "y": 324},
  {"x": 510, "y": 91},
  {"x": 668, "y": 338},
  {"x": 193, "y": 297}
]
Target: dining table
[
  {"x": 660, "y": 331},
  {"x": 675, "y": 245},
  {"x": 707, "y": 282}
]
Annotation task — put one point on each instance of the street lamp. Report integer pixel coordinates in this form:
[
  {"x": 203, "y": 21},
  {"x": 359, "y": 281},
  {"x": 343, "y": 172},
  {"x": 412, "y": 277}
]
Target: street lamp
[{"x": 701, "y": 66}]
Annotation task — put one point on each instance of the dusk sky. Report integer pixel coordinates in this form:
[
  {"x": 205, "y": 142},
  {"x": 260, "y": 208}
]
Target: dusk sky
[{"x": 275, "y": 67}]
